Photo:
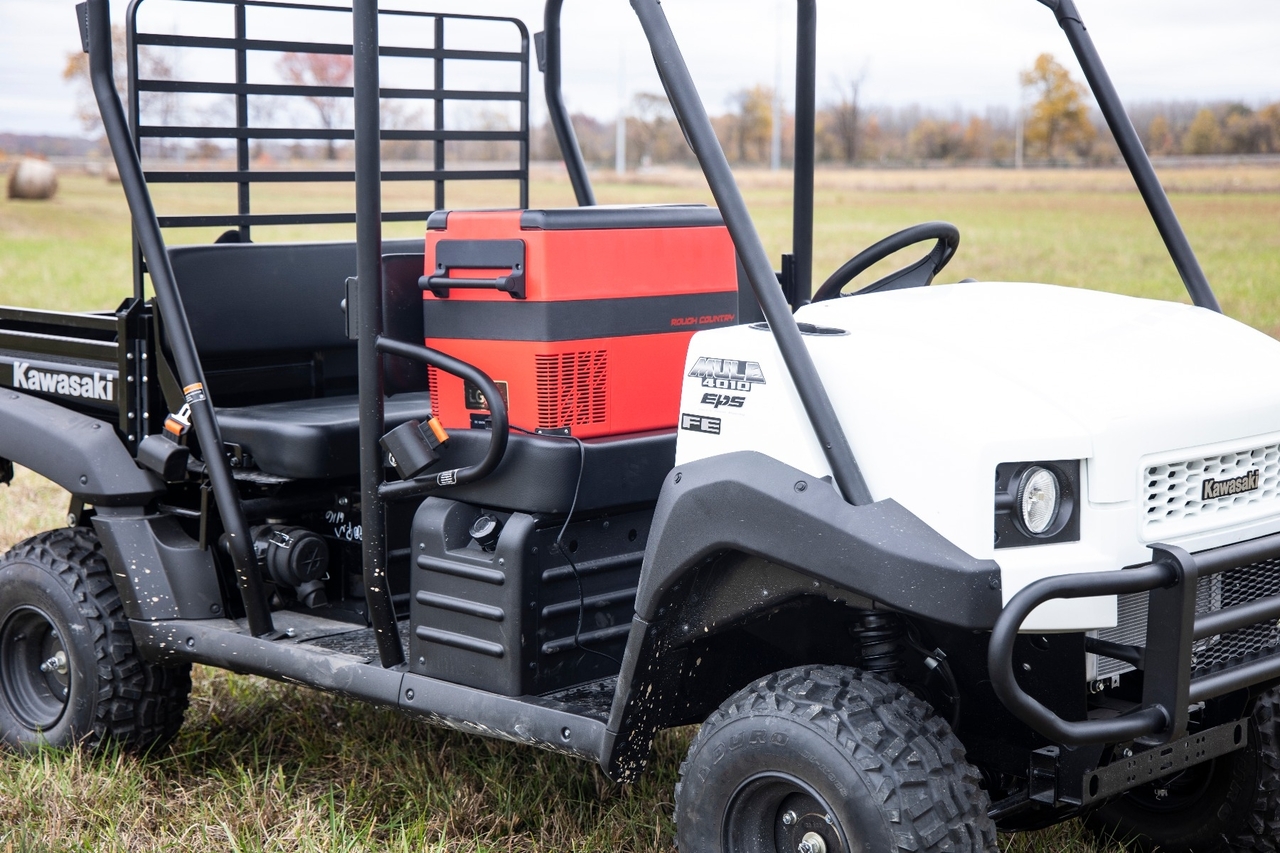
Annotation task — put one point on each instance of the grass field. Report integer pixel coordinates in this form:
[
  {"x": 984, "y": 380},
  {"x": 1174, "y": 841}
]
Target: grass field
[{"x": 265, "y": 766}]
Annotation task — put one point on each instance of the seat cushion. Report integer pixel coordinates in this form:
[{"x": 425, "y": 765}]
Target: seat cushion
[
  {"x": 310, "y": 439},
  {"x": 320, "y": 438}
]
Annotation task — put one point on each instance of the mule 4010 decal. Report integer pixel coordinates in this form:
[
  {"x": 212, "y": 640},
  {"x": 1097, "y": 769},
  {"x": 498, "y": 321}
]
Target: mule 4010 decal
[{"x": 727, "y": 374}]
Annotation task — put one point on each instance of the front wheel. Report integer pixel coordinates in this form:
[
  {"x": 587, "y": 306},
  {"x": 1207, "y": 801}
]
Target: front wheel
[
  {"x": 827, "y": 759},
  {"x": 1231, "y": 803}
]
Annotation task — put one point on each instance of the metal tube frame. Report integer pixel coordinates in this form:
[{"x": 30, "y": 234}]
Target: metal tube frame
[
  {"x": 570, "y": 151},
  {"x": 702, "y": 138},
  {"x": 368, "y": 167},
  {"x": 243, "y": 132},
  {"x": 806, "y": 117},
  {"x": 1172, "y": 627},
  {"x": 800, "y": 272},
  {"x": 169, "y": 302},
  {"x": 1135, "y": 156},
  {"x": 499, "y": 428}
]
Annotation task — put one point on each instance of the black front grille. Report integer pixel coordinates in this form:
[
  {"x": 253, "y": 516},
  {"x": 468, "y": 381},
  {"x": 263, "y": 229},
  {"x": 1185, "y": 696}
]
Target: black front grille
[{"x": 1237, "y": 586}]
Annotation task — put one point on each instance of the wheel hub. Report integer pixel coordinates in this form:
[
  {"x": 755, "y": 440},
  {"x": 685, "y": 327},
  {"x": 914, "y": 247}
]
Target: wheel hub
[
  {"x": 812, "y": 843},
  {"x": 34, "y": 680},
  {"x": 776, "y": 813},
  {"x": 57, "y": 663},
  {"x": 811, "y": 829}
]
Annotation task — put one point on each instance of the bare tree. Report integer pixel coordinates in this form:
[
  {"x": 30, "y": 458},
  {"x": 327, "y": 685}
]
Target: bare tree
[
  {"x": 752, "y": 125},
  {"x": 329, "y": 70},
  {"x": 158, "y": 108},
  {"x": 844, "y": 118}
]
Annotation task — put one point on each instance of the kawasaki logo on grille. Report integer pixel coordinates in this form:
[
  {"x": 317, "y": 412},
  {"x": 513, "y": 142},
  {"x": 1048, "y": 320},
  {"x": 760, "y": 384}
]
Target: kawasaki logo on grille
[
  {"x": 64, "y": 381},
  {"x": 1210, "y": 489}
]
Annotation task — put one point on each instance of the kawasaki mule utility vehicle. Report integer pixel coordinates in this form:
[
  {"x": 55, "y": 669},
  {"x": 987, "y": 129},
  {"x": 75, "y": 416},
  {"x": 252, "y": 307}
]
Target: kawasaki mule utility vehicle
[{"x": 922, "y": 561}]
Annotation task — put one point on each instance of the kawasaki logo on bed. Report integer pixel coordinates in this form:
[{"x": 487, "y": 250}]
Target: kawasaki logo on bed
[
  {"x": 63, "y": 380},
  {"x": 1210, "y": 489},
  {"x": 727, "y": 374}
]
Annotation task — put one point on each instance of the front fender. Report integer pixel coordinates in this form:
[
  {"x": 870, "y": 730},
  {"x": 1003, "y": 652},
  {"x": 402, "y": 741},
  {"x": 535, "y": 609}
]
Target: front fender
[
  {"x": 793, "y": 535},
  {"x": 754, "y": 504}
]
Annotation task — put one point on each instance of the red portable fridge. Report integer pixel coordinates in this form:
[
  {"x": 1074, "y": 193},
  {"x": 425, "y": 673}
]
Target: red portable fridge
[{"x": 582, "y": 316}]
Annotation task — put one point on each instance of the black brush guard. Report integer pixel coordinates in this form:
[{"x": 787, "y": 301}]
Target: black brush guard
[{"x": 1173, "y": 627}]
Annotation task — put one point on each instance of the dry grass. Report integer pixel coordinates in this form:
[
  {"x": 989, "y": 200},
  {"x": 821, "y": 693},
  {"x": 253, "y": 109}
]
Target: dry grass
[
  {"x": 29, "y": 505},
  {"x": 1209, "y": 179},
  {"x": 265, "y": 766}
]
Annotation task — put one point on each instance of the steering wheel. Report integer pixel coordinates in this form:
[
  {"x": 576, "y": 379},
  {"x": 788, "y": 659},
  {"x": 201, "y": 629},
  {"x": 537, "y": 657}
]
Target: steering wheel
[{"x": 918, "y": 274}]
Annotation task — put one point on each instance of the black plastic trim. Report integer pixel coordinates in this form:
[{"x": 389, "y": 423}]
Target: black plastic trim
[
  {"x": 608, "y": 217},
  {"x": 81, "y": 454},
  {"x": 879, "y": 551},
  {"x": 539, "y": 474},
  {"x": 160, "y": 572},
  {"x": 477, "y": 255},
  {"x": 578, "y": 319}
]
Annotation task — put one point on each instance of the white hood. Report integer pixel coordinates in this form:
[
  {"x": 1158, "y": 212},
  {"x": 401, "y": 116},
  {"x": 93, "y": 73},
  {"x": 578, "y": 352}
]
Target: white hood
[{"x": 936, "y": 386}]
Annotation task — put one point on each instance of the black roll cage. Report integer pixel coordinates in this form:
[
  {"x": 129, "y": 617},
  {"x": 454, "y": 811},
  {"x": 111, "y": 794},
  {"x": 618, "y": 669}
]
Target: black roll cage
[{"x": 96, "y": 34}]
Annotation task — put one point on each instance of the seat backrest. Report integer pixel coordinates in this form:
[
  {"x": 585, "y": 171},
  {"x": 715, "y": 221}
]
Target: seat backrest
[{"x": 267, "y": 319}]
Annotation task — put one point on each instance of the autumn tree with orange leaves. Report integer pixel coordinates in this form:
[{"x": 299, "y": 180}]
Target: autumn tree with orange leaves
[{"x": 1059, "y": 119}]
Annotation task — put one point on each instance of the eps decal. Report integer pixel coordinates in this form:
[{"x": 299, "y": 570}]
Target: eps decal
[{"x": 723, "y": 400}]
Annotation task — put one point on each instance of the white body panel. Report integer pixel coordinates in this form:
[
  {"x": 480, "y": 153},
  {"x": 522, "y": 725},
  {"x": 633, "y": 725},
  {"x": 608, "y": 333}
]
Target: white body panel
[{"x": 936, "y": 386}]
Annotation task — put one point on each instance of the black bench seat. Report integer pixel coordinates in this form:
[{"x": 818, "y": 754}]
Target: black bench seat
[{"x": 310, "y": 439}]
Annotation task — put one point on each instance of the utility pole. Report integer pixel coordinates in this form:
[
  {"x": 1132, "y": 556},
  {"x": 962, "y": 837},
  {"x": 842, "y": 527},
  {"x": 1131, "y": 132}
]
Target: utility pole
[
  {"x": 1019, "y": 128},
  {"x": 775, "y": 149}
]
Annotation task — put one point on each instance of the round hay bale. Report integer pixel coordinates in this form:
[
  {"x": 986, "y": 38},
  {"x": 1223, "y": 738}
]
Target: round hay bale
[
  {"x": 33, "y": 179},
  {"x": 111, "y": 173}
]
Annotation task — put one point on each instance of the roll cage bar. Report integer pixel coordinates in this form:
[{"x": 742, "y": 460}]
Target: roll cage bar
[{"x": 96, "y": 34}]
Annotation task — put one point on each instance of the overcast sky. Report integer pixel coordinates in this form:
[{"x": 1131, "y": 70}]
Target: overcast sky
[{"x": 938, "y": 53}]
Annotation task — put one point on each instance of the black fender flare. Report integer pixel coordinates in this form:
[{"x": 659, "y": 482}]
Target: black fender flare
[
  {"x": 81, "y": 454},
  {"x": 796, "y": 529}
]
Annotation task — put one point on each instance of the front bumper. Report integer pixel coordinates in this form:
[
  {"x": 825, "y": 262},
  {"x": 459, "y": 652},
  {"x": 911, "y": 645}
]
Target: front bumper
[{"x": 1173, "y": 628}]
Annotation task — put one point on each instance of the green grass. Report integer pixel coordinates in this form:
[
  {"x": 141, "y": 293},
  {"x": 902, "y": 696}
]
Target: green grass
[
  {"x": 1074, "y": 228},
  {"x": 266, "y": 766}
]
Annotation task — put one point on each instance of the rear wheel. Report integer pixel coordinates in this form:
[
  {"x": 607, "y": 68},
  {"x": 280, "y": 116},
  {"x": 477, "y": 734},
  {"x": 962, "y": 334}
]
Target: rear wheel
[
  {"x": 1229, "y": 804},
  {"x": 69, "y": 671},
  {"x": 829, "y": 759}
]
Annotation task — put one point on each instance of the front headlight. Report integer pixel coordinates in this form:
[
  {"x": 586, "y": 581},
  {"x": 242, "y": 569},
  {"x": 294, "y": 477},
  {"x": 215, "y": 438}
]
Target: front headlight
[
  {"x": 1037, "y": 503},
  {"x": 1038, "y": 494}
]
